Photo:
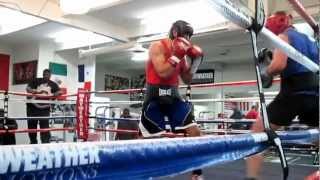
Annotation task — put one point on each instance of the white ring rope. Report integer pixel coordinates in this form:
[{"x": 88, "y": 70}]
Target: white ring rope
[
  {"x": 39, "y": 117},
  {"x": 225, "y": 131},
  {"x": 290, "y": 51},
  {"x": 222, "y": 120},
  {"x": 242, "y": 99},
  {"x": 43, "y": 101}
]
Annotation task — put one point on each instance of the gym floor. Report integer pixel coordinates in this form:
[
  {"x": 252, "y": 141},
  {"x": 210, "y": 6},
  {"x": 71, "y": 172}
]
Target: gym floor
[{"x": 300, "y": 166}]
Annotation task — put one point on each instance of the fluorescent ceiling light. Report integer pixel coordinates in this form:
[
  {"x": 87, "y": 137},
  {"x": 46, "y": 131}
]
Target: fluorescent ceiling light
[
  {"x": 74, "y": 38},
  {"x": 138, "y": 48},
  {"x": 198, "y": 13},
  {"x": 138, "y": 57},
  {"x": 84, "y": 6},
  {"x": 11, "y": 21}
]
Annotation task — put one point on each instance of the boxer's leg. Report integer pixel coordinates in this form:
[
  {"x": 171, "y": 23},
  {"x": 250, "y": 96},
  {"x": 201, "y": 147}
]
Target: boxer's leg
[
  {"x": 281, "y": 111},
  {"x": 33, "y": 124}
]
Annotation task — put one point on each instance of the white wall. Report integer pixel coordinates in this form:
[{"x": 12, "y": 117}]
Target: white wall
[
  {"x": 229, "y": 73},
  {"x": 101, "y": 71},
  {"x": 5, "y": 49},
  {"x": 44, "y": 52},
  {"x": 21, "y": 53},
  {"x": 239, "y": 72},
  {"x": 243, "y": 72},
  {"x": 71, "y": 58}
]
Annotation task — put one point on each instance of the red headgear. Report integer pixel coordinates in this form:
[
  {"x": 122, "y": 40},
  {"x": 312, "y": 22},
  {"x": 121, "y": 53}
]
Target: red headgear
[{"x": 278, "y": 22}]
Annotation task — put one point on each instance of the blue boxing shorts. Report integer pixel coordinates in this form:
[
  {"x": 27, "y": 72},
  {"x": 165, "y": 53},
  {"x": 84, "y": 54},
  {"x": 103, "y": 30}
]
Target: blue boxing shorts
[{"x": 179, "y": 113}]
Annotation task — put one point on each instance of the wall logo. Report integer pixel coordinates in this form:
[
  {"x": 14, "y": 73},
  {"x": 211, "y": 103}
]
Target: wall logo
[{"x": 203, "y": 77}]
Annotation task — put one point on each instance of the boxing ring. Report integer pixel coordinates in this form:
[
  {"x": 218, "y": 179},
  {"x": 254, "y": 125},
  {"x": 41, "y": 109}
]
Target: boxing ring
[
  {"x": 137, "y": 159},
  {"x": 140, "y": 159}
]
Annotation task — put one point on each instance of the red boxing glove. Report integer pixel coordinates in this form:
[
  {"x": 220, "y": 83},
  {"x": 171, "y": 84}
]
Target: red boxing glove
[
  {"x": 180, "y": 47},
  {"x": 194, "y": 52}
]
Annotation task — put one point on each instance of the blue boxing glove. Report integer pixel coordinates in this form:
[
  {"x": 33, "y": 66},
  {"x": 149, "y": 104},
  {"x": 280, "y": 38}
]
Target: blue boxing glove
[{"x": 264, "y": 59}]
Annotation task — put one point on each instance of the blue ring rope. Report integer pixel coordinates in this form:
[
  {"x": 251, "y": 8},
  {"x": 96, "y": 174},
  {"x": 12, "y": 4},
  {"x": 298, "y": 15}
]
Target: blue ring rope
[{"x": 135, "y": 159}]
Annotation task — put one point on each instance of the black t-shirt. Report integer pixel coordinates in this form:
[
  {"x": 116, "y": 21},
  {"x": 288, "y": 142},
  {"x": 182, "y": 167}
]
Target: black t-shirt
[
  {"x": 237, "y": 114},
  {"x": 40, "y": 84},
  {"x": 127, "y": 125}
]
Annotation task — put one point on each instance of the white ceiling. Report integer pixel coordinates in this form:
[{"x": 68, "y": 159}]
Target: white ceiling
[
  {"x": 32, "y": 35},
  {"x": 126, "y": 15},
  {"x": 223, "y": 47}
]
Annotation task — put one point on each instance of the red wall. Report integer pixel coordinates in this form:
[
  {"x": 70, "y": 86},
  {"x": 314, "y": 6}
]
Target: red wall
[{"x": 4, "y": 71}]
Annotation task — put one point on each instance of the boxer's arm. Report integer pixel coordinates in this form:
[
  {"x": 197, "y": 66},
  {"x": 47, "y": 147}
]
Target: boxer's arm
[
  {"x": 160, "y": 64},
  {"x": 30, "y": 90},
  {"x": 58, "y": 93},
  {"x": 32, "y": 87},
  {"x": 279, "y": 60},
  {"x": 55, "y": 89},
  {"x": 195, "y": 53},
  {"x": 186, "y": 75}
]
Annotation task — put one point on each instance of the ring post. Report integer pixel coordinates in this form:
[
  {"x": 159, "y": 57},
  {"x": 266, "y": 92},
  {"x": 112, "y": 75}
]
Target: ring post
[
  {"x": 5, "y": 110},
  {"x": 82, "y": 113},
  {"x": 273, "y": 138}
]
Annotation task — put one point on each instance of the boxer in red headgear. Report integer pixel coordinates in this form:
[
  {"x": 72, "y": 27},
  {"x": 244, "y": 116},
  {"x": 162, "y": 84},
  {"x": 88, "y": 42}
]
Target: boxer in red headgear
[
  {"x": 279, "y": 22},
  {"x": 167, "y": 62},
  {"x": 299, "y": 87}
]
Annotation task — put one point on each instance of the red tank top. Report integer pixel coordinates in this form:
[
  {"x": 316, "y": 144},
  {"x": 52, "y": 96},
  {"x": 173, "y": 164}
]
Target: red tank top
[{"x": 152, "y": 76}]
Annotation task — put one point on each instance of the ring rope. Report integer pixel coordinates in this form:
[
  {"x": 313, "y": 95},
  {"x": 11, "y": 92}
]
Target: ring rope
[
  {"x": 39, "y": 117},
  {"x": 13, "y": 131},
  {"x": 242, "y": 99},
  {"x": 36, "y": 95},
  {"x": 55, "y": 101},
  {"x": 129, "y": 131},
  {"x": 220, "y": 120},
  {"x": 220, "y": 84},
  {"x": 298, "y": 7},
  {"x": 126, "y": 91},
  {"x": 134, "y": 159},
  {"x": 60, "y": 102},
  {"x": 225, "y": 131}
]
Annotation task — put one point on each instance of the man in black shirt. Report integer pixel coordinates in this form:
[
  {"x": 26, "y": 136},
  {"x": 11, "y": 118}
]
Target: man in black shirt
[
  {"x": 127, "y": 125},
  {"x": 237, "y": 114},
  {"x": 9, "y": 124},
  {"x": 40, "y": 86}
]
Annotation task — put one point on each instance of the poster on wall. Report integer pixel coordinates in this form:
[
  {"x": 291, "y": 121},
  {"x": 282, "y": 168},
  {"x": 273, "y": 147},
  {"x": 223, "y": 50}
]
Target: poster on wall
[
  {"x": 24, "y": 72},
  {"x": 112, "y": 82}
]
